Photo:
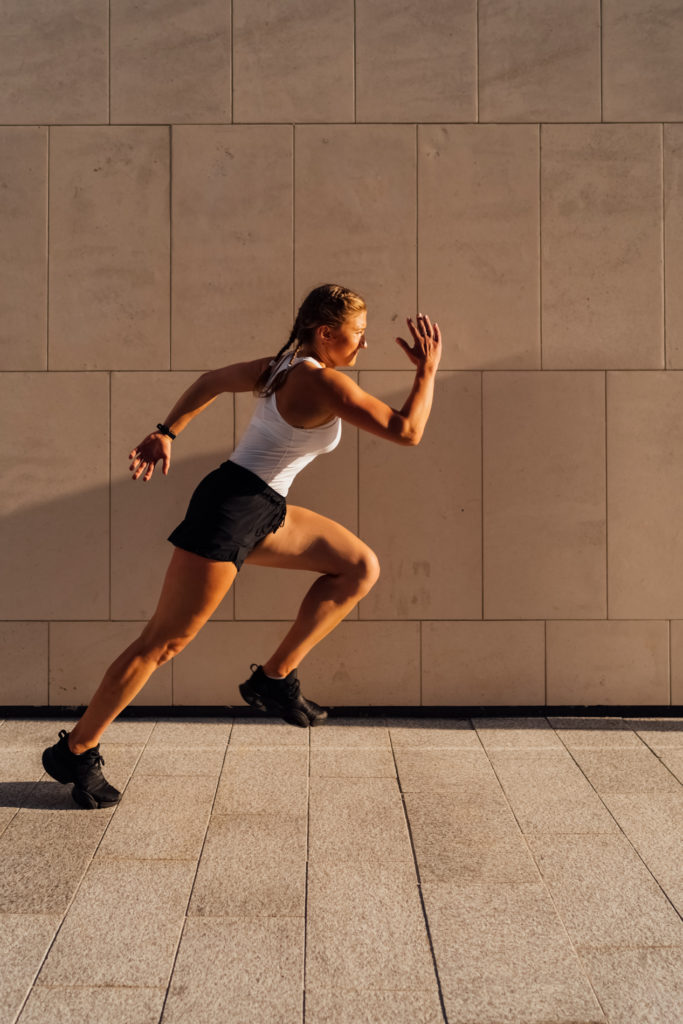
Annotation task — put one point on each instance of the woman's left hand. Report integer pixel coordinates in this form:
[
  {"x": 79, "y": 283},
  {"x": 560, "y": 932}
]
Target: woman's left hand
[{"x": 155, "y": 447}]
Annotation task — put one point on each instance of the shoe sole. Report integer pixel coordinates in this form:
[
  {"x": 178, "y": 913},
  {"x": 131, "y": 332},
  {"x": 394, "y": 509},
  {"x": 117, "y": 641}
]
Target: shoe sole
[
  {"x": 84, "y": 799},
  {"x": 290, "y": 715}
]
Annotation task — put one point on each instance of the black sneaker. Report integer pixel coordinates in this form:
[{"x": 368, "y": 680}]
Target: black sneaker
[
  {"x": 91, "y": 789},
  {"x": 281, "y": 697}
]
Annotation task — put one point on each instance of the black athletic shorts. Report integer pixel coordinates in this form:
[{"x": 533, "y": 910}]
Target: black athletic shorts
[{"x": 231, "y": 510}]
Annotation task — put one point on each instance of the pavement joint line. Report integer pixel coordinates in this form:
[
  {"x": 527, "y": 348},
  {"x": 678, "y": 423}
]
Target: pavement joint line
[
  {"x": 546, "y": 887},
  {"x": 618, "y": 824},
  {"x": 196, "y": 872},
  {"x": 419, "y": 883}
]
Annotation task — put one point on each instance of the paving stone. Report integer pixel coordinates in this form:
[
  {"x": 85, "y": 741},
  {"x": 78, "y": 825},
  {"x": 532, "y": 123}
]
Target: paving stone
[
  {"x": 256, "y": 781},
  {"x": 443, "y": 855},
  {"x": 160, "y": 817},
  {"x": 365, "y": 928},
  {"x": 44, "y": 855},
  {"x": 367, "y": 1006},
  {"x": 549, "y": 793},
  {"x": 637, "y": 984},
  {"x": 581, "y": 872},
  {"x": 205, "y": 734},
  {"x": 660, "y": 734},
  {"x": 433, "y": 732},
  {"x": 35, "y": 734},
  {"x": 20, "y": 765},
  {"x": 6, "y": 813},
  {"x": 515, "y": 733},
  {"x": 350, "y": 732},
  {"x": 673, "y": 760},
  {"x": 653, "y": 824},
  {"x": 424, "y": 769},
  {"x": 354, "y": 820},
  {"x": 580, "y": 732},
  {"x": 108, "y": 1005},
  {"x": 249, "y": 971},
  {"x": 626, "y": 771},
  {"x": 471, "y": 810},
  {"x": 24, "y": 940},
  {"x": 252, "y": 865},
  {"x": 347, "y": 762},
  {"x": 503, "y": 956},
  {"x": 181, "y": 761},
  {"x": 267, "y": 732},
  {"x": 124, "y": 923}
]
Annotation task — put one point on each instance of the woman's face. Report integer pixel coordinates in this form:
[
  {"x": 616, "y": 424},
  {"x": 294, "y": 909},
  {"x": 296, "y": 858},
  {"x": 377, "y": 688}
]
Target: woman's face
[{"x": 342, "y": 344}]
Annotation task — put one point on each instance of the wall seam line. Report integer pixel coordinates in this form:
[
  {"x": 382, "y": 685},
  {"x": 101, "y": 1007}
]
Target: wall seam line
[
  {"x": 602, "y": 113},
  {"x": 170, "y": 247},
  {"x": 110, "y": 375},
  {"x": 231, "y": 20},
  {"x": 606, "y": 372},
  {"x": 109, "y": 66},
  {"x": 540, "y": 244},
  {"x": 476, "y": 75},
  {"x": 481, "y": 436},
  {"x": 47, "y": 252},
  {"x": 663, "y": 180},
  {"x": 355, "y": 84}
]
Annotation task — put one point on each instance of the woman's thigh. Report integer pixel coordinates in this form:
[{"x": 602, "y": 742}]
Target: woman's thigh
[
  {"x": 191, "y": 592},
  {"x": 311, "y": 541}
]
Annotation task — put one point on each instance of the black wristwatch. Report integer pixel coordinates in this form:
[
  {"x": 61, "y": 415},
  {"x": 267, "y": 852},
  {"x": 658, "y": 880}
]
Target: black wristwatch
[{"x": 163, "y": 429}]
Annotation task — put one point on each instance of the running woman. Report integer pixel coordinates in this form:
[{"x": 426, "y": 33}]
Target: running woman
[{"x": 239, "y": 513}]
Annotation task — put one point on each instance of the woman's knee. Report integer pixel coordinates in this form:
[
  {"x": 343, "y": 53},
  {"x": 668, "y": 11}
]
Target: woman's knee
[
  {"x": 161, "y": 649},
  {"x": 365, "y": 570}
]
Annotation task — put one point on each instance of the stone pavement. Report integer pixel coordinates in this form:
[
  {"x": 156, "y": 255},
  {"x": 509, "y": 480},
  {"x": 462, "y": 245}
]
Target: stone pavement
[{"x": 367, "y": 871}]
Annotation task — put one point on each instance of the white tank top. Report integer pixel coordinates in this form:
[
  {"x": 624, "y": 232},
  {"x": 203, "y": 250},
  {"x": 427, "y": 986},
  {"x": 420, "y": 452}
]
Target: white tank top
[{"x": 272, "y": 448}]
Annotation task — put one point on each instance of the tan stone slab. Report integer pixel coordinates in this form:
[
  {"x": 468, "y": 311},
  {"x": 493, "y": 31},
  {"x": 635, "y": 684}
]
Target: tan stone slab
[
  {"x": 301, "y": 68},
  {"x": 24, "y": 941},
  {"x": 265, "y": 780},
  {"x": 109, "y": 1005},
  {"x": 263, "y": 732},
  {"x": 349, "y": 1006},
  {"x": 416, "y": 63},
  {"x": 539, "y": 62},
  {"x": 160, "y": 818},
  {"x": 358, "y": 820},
  {"x": 155, "y": 508},
  {"x": 660, "y": 734},
  {"x": 253, "y": 865},
  {"x": 81, "y": 653},
  {"x": 420, "y": 531},
  {"x": 544, "y": 518},
  {"x": 365, "y": 928},
  {"x": 549, "y": 793},
  {"x": 673, "y": 760},
  {"x": 170, "y": 63},
  {"x": 641, "y": 51},
  {"x": 472, "y": 810},
  {"x": 516, "y": 734},
  {"x": 176, "y": 760},
  {"x": 653, "y": 823},
  {"x": 248, "y": 970},
  {"x": 55, "y": 548},
  {"x": 478, "y": 243},
  {"x": 23, "y": 248},
  {"x": 673, "y": 247},
  {"x": 422, "y": 769},
  {"x": 645, "y": 437},
  {"x": 11, "y": 794},
  {"x": 345, "y": 762},
  {"x": 19, "y": 765},
  {"x": 54, "y": 62},
  {"x": 608, "y": 662},
  {"x": 432, "y": 732},
  {"x": 634, "y": 984},
  {"x": 232, "y": 242},
  {"x": 143, "y": 904},
  {"x": 358, "y": 734},
  {"x": 472, "y": 663},
  {"x": 329, "y": 486},
  {"x": 577, "y": 733},
  {"x": 32, "y": 734},
  {"x": 109, "y": 248},
  {"x": 206, "y": 733},
  {"x": 601, "y": 210},
  {"x": 363, "y": 177},
  {"x": 44, "y": 856},
  {"x": 626, "y": 771},
  {"x": 502, "y": 954},
  {"x": 580, "y": 872},
  {"x": 444, "y": 855}
]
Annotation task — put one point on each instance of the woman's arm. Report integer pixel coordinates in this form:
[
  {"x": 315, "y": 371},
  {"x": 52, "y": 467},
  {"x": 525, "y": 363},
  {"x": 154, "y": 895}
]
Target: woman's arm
[
  {"x": 405, "y": 425},
  {"x": 200, "y": 394}
]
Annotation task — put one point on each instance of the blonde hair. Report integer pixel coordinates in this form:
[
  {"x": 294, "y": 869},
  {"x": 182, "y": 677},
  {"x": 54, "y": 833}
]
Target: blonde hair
[{"x": 328, "y": 304}]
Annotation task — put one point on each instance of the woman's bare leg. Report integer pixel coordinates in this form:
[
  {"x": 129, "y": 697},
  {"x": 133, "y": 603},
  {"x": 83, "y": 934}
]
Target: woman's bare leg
[
  {"x": 192, "y": 590},
  {"x": 350, "y": 568}
]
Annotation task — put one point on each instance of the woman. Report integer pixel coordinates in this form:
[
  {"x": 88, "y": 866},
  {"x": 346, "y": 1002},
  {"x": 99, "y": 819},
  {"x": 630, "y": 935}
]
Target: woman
[{"x": 238, "y": 513}]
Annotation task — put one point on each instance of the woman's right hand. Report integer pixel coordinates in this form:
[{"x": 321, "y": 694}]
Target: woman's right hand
[
  {"x": 155, "y": 447},
  {"x": 426, "y": 352}
]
